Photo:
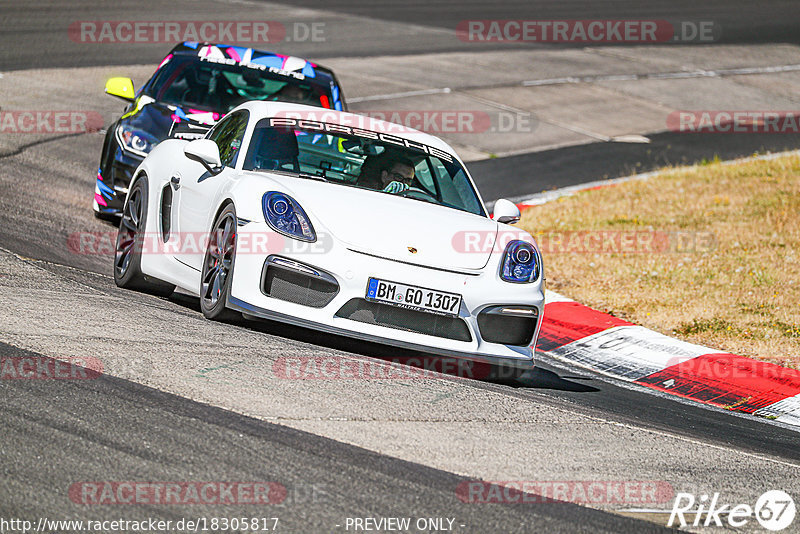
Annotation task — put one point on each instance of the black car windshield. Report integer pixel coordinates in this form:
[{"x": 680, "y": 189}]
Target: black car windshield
[
  {"x": 361, "y": 158},
  {"x": 189, "y": 82}
]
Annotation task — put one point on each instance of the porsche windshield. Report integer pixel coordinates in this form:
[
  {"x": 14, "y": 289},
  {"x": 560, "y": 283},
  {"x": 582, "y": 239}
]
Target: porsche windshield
[
  {"x": 191, "y": 82},
  {"x": 362, "y": 158}
]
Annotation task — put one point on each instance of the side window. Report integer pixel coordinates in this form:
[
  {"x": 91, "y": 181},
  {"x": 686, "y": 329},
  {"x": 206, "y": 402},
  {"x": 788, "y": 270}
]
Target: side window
[
  {"x": 423, "y": 174},
  {"x": 456, "y": 190},
  {"x": 228, "y": 135}
]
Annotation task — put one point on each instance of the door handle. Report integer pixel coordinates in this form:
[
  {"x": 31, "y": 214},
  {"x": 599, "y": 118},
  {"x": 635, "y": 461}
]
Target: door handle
[{"x": 176, "y": 182}]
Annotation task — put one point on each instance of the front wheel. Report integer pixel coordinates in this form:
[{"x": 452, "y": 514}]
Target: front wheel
[
  {"x": 217, "y": 273},
  {"x": 130, "y": 239}
]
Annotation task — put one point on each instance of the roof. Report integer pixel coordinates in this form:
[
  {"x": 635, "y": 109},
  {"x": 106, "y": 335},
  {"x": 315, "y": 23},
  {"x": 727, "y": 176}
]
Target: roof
[
  {"x": 241, "y": 54},
  {"x": 260, "y": 110}
]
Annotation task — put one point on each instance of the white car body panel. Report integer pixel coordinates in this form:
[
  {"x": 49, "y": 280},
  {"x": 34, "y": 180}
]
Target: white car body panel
[{"x": 361, "y": 234}]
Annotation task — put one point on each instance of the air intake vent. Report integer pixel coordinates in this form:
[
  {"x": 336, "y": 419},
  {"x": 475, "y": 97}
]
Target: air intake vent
[
  {"x": 364, "y": 311},
  {"x": 508, "y": 325},
  {"x": 166, "y": 212},
  {"x": 300, "y": 285}
]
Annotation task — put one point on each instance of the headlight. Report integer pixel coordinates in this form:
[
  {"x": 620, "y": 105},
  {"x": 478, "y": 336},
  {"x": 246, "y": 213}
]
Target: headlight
[
  {"x": 285, "y": 216},
  {"x": 135, "y": 140},
  {"x": 520, "y": 263}
]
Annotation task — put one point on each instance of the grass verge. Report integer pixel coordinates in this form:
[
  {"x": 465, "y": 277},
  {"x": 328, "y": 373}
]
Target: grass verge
[{"x": 709, "y": 254}]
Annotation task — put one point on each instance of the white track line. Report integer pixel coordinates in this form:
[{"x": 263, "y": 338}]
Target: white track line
[
  {"x": 406, "y": 94},
  {"x": 698, "y": 73}
]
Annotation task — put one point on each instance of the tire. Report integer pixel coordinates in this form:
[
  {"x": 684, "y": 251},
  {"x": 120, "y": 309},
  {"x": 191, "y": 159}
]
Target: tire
[
  {"x": 128, "y": 249},
  {"x": 218, "y": 262}
]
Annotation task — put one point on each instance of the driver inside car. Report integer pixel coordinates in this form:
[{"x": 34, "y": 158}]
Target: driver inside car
[{"x": 397, "y": 177}]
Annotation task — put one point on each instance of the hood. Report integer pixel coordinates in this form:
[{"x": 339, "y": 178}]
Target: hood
[
  {"x": 389, "y": 226},
  {"x": 156, "y": 118}
]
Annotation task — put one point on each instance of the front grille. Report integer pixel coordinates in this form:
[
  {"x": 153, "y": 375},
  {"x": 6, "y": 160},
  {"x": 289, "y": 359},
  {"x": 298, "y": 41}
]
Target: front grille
[
  {"x": 496, "y": 327},
  {"x": 365, "y": 311},
  {"x": 297, "y": 287}
]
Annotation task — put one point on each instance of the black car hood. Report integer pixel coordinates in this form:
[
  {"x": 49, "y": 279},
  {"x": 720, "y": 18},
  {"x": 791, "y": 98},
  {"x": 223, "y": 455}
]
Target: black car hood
[{"x": 162, "y": 121}]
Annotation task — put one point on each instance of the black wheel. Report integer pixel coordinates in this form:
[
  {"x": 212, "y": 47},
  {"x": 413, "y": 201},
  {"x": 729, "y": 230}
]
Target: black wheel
[
  {"x": 217, "y": 272},
  {"x": 128, "y": 250}
]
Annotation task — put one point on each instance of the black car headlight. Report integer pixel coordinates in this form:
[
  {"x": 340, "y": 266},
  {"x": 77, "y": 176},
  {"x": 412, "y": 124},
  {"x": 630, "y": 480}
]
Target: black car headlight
[
  {"x": 520, "y": 263},
  {"x": 286, "y": 217},
  {"x": 135, "y": 140}
]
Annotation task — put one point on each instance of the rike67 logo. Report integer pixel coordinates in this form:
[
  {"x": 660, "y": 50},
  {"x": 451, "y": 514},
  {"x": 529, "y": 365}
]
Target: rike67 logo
[{"x": 774, "y": 510}]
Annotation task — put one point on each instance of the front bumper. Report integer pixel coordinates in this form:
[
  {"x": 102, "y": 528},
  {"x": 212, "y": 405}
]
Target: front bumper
[
  {"x": 481, "y": 291},
  {"x": 112, "y": 184}
]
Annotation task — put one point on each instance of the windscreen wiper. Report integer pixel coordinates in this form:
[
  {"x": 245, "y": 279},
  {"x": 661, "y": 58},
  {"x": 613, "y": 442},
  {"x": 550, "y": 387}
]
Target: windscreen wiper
[
  {"x": 309, "y": 176},
  {"x": 306, "y": 175}
]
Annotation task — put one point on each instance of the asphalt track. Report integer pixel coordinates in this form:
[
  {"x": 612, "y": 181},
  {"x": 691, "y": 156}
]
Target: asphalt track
[
  {"x": 34, "y": 33},
  {"x": 122, "y": 430},
  {"x": 742, "y": 22},
  {"x": 55, "y": 433},
  {"x": 515, "y": 177},
  {"x": 36, "y": 37}
]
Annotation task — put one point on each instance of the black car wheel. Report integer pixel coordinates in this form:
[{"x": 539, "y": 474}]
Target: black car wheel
[
  {"x": 128, "y": 250},
  {"x": 217, "y": 272}
]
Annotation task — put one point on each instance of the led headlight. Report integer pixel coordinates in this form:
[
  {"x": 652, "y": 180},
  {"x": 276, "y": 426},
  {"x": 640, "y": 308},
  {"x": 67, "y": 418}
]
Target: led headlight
[
  {"x": 520, "y": 263},
  {"x": 135, "y": 140},
  {"x": 285, "y": 216}
]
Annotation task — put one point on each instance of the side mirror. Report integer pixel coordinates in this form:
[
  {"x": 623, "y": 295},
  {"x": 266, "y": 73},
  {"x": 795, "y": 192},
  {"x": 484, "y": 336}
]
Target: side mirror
[
  {"x": 506, "y": 211},
  {"x": 121, "y": 88},
  {"x": 206, "y": 152}
]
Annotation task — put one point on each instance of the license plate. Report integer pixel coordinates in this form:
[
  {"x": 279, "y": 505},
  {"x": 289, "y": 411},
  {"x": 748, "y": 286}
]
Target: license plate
[{"x": 413, "y": 297}]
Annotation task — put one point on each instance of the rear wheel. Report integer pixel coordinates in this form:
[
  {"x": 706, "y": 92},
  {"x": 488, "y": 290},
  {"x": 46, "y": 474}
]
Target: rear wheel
[
  {"x": 128, "y": 250},
  {"x": 217, "y": 273}
]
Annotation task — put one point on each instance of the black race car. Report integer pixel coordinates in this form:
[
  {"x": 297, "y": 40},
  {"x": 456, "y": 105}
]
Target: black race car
[{"x": 192, "y": 88}]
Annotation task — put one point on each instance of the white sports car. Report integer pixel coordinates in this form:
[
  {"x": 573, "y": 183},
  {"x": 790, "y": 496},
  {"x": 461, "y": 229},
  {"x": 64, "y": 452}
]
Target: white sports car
[{"x": 335, "y": 222}]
